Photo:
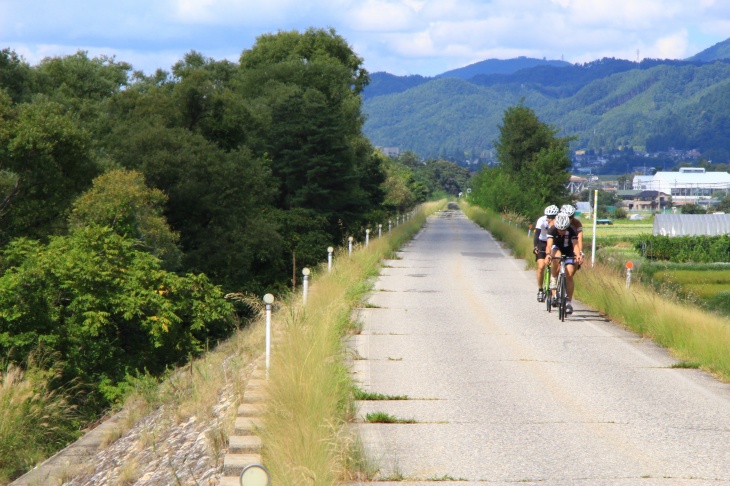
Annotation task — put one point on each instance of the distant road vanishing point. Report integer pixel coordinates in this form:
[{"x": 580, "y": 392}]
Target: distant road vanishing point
[{"x": 501, "y": 392}]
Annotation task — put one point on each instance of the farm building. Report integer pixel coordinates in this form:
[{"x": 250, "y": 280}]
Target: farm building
[{"x": 691, "y": 185}]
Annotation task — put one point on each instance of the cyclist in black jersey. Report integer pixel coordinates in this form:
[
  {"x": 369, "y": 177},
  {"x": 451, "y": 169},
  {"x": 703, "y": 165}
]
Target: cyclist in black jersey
[{"x": 563, "y": 240}]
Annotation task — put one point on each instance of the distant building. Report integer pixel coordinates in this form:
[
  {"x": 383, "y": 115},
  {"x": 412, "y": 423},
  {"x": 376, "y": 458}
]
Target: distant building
[
  {"x": 689, "y": 185},
  {"x": 576, "y": 184},
  {"x": 647, "y": 201}
]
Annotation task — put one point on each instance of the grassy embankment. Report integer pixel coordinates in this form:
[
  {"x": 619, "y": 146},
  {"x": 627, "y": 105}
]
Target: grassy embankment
[
  {"x": 694, "y": 336},
  {"x": 305, "y": 435}
]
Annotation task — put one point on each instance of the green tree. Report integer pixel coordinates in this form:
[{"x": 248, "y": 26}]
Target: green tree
[
  {"x": 533, "y": 166},
  {"x": 51, "y": 157},
  {"x": 15, "y": 75},
  {"x": 219, "y": 202},
  {"x": 692, "y": 209},
  {"x": 107, "y": 308},
  {"x": 303, "y": 90},
  {"x": 121, "y": 201}
]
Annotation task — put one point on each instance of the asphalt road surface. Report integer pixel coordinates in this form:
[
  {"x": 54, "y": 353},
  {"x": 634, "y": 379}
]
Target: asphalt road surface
[{"x": 502, "y": 392}]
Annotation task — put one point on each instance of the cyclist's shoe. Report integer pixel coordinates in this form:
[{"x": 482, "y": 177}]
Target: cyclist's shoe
[
  {"x": 540, "y": 296},
  {"x": 568, "y": 308},
  {"x": 553, "y": 283},
  {"x": 555, "y": 302}
]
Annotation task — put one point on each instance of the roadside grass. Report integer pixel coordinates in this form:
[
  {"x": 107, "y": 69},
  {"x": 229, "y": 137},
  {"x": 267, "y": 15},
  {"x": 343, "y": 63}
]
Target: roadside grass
[
  {"x": 305, "y": 427},
  {"x": 386, "y": 418},
  {"x": 360, "y": 394},
  {"x": 34, "y": 420},
  {"x": 513, "y": 237},
  {"x": 692, "y": 334}
]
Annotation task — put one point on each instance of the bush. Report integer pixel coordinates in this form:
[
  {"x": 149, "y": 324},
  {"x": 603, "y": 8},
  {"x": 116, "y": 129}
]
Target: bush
[{"x": 683, "y": 249}]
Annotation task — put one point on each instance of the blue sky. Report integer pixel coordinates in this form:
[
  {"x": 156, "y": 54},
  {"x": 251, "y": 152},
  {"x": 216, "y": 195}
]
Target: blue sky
[{"x": 424, "y": 37}]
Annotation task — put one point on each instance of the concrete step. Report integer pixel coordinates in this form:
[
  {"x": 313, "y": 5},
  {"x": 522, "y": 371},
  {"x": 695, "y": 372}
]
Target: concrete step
[
  {"x": 255, "y": 396},
  {"x": 250, "y": 410},
  {"x": 230, "y": 481},
  {"x": 244, "y": 444},
  {"x": 247, "y": 425},
  {"x": 256, "y": 383},
  {"x": 233, "y": 464}
]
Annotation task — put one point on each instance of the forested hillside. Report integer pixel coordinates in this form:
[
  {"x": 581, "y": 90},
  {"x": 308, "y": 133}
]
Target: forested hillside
[{"x": 651, "y": 105}]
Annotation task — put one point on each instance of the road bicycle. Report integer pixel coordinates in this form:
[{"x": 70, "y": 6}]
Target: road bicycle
[{"x": 561, "y": 292}]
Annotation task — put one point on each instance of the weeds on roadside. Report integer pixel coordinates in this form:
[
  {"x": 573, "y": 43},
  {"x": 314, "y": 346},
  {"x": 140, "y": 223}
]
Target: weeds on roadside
[
  {"x": 386, "y": 418},
  {"x": 309, "y": 384},
  {"x": 35, "y": 420},
  {"x": 693, "y": 335}
]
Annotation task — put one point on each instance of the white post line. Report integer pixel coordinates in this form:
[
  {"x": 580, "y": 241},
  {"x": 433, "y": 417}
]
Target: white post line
[
  {"x": 268, "y": 300},
  {"x": 305, "y": 285},
  {"x": 595, "y": 218}
]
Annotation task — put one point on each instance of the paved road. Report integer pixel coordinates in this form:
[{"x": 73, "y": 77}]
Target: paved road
[{"x": 503, "y": 392}]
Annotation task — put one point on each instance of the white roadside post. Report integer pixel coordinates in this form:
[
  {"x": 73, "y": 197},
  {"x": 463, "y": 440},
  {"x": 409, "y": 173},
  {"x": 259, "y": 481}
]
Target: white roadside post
[
  {"x": 380, "y": 230},
  {"x": 255, "y": 475},
  {"x": 268, "y": 300},
  {"x": 390, "y": 224},
  {"x": 305, "y": 285},
  {"x": 595, "y": 218},
  {"x": 367, "y": 237},
  {"x": 349, "y": 248},
  {"x": 629, "y": 266},
  {"x": 329, "y": 258},
  {"x": 529, "y": 231}
]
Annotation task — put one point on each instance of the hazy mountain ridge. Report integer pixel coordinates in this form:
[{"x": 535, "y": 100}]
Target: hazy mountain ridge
[{"x": 654, "y": 104}]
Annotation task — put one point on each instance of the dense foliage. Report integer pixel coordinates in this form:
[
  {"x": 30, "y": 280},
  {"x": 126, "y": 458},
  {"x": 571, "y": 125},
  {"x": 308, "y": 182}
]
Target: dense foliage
[
  {"x": 130, "y": 204},
  {"x": 608, "y": 104},
  {"x": 683, "y": 249},
  {"x": 533, "y": 167}
]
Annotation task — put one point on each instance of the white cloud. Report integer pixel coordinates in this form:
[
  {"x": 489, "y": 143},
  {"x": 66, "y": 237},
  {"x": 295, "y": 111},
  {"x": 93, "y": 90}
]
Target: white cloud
[
  {"x": 405, "y": 35},
  {"x": 381, "y": 16}
]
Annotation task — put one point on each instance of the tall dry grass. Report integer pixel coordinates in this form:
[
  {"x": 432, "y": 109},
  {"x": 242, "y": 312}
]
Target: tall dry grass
[
  {"x": 692, "y": 334},
  {"x": 305, "y": 437},
  {"x": 513, "y": 237},
  {"x": 34, "y": 419}
]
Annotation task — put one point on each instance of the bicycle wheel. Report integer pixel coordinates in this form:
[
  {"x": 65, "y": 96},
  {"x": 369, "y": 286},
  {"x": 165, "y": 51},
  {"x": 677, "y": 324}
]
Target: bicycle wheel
[
  {"x": 548, "y": 293},
  {"x": 563, "y": 291}
]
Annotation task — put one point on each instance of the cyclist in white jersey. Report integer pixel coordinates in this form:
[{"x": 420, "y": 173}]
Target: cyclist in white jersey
[{"x": 540, "y": 241}]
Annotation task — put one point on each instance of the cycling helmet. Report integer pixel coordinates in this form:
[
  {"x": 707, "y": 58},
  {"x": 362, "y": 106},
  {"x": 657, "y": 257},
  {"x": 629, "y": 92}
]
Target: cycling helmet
[
  {"x": 562, "y": 221},
  {"x": 551, "y": 210},
  {"x": 568, "y": 209}
]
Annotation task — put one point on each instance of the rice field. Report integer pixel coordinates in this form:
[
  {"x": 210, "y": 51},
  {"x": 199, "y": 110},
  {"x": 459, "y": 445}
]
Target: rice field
[
  {"x": 704, "y": 284},
  {"x": 620, "y": 230}
]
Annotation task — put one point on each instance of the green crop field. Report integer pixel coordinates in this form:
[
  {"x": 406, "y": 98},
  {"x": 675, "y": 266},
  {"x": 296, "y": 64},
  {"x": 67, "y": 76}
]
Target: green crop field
[
  {"x": 709, "y": 283},
  {"x": 620, "y": 229}
]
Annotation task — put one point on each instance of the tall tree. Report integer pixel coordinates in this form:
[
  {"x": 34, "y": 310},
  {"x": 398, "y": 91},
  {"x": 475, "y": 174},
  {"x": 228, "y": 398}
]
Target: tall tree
[
  {"x": 304, "y": 95},
  {"x": 533, "y": 166}
]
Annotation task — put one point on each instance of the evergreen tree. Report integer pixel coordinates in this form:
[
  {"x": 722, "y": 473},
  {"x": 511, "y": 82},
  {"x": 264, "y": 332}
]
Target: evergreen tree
[{"x": 533, "y": 166}]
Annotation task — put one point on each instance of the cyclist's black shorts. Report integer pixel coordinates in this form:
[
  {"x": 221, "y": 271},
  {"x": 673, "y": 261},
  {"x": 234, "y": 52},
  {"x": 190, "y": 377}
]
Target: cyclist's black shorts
[{"x": 541, "y": 250}]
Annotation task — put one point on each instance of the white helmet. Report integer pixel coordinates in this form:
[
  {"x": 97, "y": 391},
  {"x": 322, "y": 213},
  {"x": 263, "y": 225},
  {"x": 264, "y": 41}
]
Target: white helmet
[
  {"x": 551, "y": 210},
  {"x": 562, "y": 221},
  {"x": 568, "y": 209}
]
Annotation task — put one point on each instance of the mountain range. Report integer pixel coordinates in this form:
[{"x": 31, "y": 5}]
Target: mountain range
[{"x": 652, "y": 105}]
